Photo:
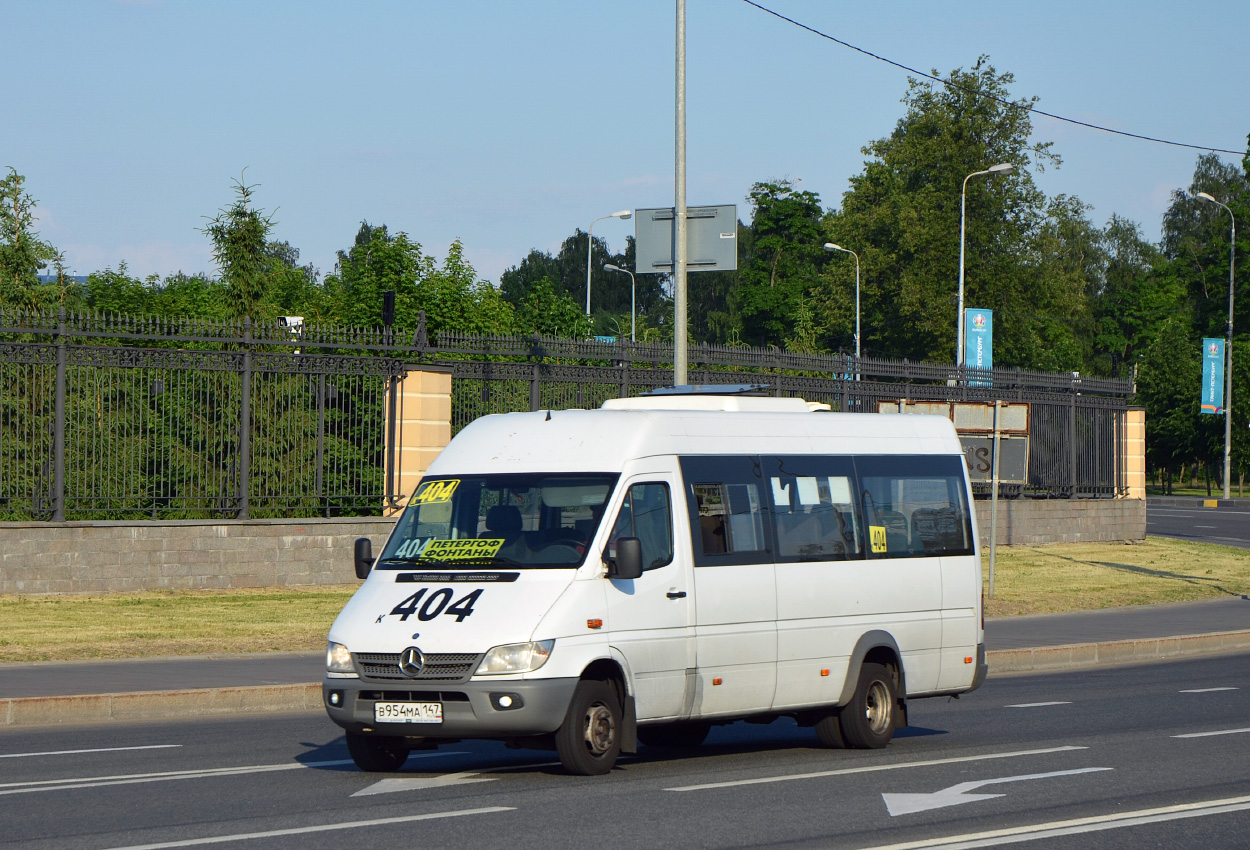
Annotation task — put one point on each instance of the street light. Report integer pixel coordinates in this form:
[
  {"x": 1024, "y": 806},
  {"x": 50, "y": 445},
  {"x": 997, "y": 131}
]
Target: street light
[
  {"x": 993, "y": 170},
  {"x": 830, "y": 247},
  {"x": 633, "y": 296},
  {"x": 1228, "y": 347},
  {"x": 623, "y": 215}
]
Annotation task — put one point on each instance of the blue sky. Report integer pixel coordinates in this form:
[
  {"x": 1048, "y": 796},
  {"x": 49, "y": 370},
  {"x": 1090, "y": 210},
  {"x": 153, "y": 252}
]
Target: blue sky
[{"x": 509, "y": 124}]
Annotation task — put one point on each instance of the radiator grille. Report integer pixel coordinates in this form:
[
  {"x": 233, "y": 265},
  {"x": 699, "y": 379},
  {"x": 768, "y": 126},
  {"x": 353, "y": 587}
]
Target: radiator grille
[{"x": 439, "y": 667}]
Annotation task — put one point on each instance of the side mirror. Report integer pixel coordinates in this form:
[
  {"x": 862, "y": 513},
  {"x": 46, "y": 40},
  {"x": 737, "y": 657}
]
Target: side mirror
[
  {"x": 364, "y": 557},
  {"x": 628, "y": 561}
]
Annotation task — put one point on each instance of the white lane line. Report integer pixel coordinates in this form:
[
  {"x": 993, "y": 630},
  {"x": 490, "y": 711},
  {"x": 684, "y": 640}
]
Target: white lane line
[
  {"x": 165, "y": 776},
  {"x": 846, "y": 771},
  {"x": 1036, "y": 704},
  {"x": 1206, "y": 690},
  {"x": 1210, "y": 734},
  {"x": 305, "y": 830},
  {"x": 1204, "y": 526},
  {"x": 97, "y": 750},
  {"x": 1076, "y": 826}
]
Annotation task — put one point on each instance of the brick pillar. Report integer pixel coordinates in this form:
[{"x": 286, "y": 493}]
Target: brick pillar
[
  {"x": 424, "y": 425},
  {"x": 1133, "y": 451}
]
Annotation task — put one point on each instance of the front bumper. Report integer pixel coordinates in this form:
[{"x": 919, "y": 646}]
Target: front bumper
[{"x": 470, "y": 709}]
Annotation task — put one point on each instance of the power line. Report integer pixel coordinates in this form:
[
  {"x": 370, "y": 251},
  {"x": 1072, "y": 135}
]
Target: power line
[{"x": 968, "y": 90}]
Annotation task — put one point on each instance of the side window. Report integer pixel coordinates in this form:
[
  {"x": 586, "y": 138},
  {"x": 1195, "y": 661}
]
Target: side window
[
  {"x": 727, "y": 505},
  {"x": 915, "y": 506},
  {"x": 648, "y": 515},
  {"x": 814, "y": 511}
]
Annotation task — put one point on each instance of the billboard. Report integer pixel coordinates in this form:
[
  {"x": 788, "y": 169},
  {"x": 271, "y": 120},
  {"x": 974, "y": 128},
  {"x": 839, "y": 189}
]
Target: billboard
[{"x": 1212, "y": 375}]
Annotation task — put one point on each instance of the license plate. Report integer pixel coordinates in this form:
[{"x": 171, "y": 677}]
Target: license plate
[{"x": 407, "y": 712}]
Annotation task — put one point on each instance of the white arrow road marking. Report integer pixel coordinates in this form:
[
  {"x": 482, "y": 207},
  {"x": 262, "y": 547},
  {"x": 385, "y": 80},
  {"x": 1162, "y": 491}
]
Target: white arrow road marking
[
  {"x": 906, "y": 804},
  {"x": 417, "y": 783},
  {"x": 1206, "y": 690}
]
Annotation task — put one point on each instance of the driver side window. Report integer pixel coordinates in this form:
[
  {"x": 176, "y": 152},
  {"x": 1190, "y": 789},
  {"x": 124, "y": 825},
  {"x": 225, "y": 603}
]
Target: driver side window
[{"x": 646, "y": 514}]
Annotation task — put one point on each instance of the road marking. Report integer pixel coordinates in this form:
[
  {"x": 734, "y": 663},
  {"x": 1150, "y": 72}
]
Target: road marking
[
  {"x": 78, "y": 752},
  {"x": 1204, "y": 526},
  {"x": 165, "y": 776},
  {"x": 418, "y": 783},
  {"x": 1076, "y": 826},
  {"x": 906, "y": 804},
  {"x": 1209, "y": 734},
  {"x": 305, "y": 830},
  {"x": 847, "y": 771},
  {"x": 1206, "y": 690},
  {"x": 1036, "y": 704}
]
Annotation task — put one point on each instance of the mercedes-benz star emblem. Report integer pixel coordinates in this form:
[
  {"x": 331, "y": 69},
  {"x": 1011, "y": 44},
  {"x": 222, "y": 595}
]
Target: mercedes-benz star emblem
[{"x": 411, "y": 661}]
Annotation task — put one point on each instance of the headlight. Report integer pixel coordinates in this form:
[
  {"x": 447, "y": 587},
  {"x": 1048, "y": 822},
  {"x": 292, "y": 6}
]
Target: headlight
[
  {"x": 338, "y": 659},
  {"x": 516, "y": 658}
]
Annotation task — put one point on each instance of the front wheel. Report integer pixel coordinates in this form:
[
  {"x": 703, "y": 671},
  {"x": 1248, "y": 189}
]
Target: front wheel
[
  {"x": 377, "y": 753},
  {"x": 589, "y": 740},
  {"x": 868, "y": 721}
]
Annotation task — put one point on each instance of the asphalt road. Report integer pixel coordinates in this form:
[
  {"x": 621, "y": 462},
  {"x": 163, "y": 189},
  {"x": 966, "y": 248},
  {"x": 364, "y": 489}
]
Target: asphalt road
[
  {"x": 1226, "y": 526},
  {"x": 1148, "y": 755}
]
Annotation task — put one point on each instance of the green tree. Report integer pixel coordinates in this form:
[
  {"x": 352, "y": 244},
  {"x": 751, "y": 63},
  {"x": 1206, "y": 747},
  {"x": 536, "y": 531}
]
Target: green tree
[
  {"x": 546, "y": 313},
  {"x": 902, "y": 215},
  {"x": 240, "y": 234},
  {"x": 22, "y": 253},
  {"x": 786, "y": 257}
]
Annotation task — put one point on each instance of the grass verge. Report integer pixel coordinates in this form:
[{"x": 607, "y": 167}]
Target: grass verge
[{"x": 1027, "y": 580}]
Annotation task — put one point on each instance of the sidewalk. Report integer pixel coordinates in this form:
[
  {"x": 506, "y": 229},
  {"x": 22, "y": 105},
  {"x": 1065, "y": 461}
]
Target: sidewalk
[{"x": 47, "y": 693}]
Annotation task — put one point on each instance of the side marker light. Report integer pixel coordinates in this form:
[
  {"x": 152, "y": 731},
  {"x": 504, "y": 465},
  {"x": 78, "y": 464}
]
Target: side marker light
[
  {"x": 716, "y": 681},
  {"x": 967, "y": 659},
  {"x": 594, "y": 624},
  {"x": 824, "y": 672}
]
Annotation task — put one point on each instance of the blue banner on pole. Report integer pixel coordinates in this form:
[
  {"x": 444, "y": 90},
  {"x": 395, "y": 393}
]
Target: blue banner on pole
[
  {"x": 1212, "y": 375},
  {"x": 979, "y": 342}
]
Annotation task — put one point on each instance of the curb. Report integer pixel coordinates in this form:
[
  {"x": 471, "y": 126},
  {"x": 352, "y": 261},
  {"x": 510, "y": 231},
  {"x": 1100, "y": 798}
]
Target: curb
[
  {"x": 1075, "y": 656},
  {"x": 257, "y": 699}
]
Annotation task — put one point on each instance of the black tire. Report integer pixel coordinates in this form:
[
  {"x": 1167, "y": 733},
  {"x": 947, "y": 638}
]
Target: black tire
[
  {"x": 677, "y": 736},
  {"x": 829, "y": 731},
  {"x": 589, "y": 740},
  {"x": 377, "y": 753},
  {"x": 868, "y": 722}
]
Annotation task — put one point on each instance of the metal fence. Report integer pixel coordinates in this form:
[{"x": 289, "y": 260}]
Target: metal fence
[
  {"x": 1076, "y": 431},
  {"x": 119, "y": 417},
  {"x": 123, "y": 417}
]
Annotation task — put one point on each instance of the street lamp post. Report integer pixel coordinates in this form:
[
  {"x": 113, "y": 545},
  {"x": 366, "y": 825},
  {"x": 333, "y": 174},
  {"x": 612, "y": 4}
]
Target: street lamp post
[
  {"x": 1228, "y": 347},
  {"x": 830, "y": 247},
  {"x": 623, "y": 215},
  {"x": 1001, "y": 168},
  {"x": 633, "y": 297}
]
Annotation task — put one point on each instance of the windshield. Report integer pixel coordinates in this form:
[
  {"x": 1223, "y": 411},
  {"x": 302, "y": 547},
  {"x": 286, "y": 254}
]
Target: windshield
[{"x": 524, "y": 520}]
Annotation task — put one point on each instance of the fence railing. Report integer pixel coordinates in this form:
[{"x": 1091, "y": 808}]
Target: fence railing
[{"x": 126, "y": 417}]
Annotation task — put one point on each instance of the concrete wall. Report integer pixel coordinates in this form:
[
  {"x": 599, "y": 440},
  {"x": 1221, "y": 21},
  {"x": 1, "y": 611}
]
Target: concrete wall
[
  {"x": 108, "y": 557},
  {"x": 102, "y": 557},
  {"x": 1032, "y": 522}
]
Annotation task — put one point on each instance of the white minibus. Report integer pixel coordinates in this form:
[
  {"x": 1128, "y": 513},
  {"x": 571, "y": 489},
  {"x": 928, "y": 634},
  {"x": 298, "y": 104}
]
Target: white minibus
[{"x": 582, "y": 580}]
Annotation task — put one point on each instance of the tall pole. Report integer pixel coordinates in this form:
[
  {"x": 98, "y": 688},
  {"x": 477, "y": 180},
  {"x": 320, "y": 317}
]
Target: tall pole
[
  {"x": 679, "y": 208},
  {"x": 829, "y": 246},
  {"x": 1001, "y": 168},
  {"x": 633, "y": 299},
  {"x": 1228, "y": 347},
  {"x": 590, "y": 246}
]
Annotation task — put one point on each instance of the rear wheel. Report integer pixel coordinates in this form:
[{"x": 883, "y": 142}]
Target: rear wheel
[
  {"x": 674, "y": 735},
  {"x": 377, "y": 753},
  {"x": 589, "y": 741},
  {"x": 868, "y": 721}
]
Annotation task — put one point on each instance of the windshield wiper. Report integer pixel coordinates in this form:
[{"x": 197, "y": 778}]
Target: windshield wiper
[{"x": 416, "y": 559}]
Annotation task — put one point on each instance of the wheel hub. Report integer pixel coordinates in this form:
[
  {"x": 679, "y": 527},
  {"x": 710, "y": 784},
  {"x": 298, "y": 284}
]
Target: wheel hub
[{"x": 600, "y": 729}]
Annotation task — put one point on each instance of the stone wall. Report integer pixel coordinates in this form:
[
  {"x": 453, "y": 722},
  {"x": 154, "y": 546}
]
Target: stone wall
[
  {"x": 103, "y": 557},
  {"x": 1031, "y": 522}
]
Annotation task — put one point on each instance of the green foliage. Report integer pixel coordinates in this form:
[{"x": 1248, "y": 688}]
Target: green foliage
[
  {"x": 545, "y": 313},
  {"x": 22, "y": 253},
  {"x": 240, "y": 234}
]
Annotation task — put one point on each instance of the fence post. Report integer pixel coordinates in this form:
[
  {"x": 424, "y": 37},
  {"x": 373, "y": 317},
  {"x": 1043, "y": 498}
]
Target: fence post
[
  {"x": 1072, "y": 435},
  {"x": 319, "y": 475},
  {"x": 534, "y": 396},
  {"x": 245, "y": 422},
  {"x": 58, "y": 427}
]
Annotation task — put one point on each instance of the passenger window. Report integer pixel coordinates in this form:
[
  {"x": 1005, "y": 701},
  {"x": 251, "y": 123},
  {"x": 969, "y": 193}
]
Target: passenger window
[
  {"x": 915, "y": 506},
  {"x": 648, "y": 515},
  {"x": 814, "y": 516},
  {"x": 730, "y": 518}
]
